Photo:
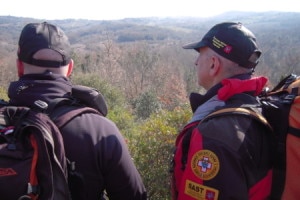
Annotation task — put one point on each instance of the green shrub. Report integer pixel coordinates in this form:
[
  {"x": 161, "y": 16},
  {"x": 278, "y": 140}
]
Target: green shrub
[
  {"x": 146, "y": 104},
  {"x": 152, "y": 149},
  {"x": 3, "y": 93},
  {"x": 123, "y": 118}
]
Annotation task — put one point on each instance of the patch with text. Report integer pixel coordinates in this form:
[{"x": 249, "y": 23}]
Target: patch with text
[{"x": 200, "y": 192}]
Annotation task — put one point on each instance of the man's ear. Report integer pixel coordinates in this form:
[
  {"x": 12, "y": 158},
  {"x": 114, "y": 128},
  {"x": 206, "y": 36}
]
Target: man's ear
[
  {"x": 215, "y": 66},
  {"x": 20, "y": 67},
  {"x": 70, "y": 67}
]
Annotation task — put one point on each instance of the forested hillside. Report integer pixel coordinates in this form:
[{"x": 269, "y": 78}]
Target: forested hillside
[
  {"x": 99, "y": 44},
  {"x": 145, "y": 75}
]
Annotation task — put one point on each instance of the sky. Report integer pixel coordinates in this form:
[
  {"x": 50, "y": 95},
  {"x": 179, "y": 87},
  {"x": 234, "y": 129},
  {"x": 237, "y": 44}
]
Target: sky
[{"x": 120, "y": 9}]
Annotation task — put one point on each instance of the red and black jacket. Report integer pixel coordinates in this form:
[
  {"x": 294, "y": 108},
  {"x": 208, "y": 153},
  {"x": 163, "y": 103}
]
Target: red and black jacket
[{"x": 226, "y": 157}]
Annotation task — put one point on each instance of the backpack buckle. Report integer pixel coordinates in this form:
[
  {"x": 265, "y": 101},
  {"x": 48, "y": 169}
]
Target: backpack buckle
[
  {"x": 40, "y": 105},
  {"x": 288, "y": 99}
]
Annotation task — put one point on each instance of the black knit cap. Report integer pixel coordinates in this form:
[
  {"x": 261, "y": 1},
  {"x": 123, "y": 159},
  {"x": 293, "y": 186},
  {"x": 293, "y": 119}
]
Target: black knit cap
[
  {"x": 232, "y": 41},
  {"x": 37, "y": 36}
]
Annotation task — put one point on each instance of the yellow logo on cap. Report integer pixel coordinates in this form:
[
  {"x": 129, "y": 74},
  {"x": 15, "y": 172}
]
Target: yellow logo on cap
[
  {"x": 205, "y": 164},
  {"x": 218, "y": 43},
  {"x": 221, "y": 45}
]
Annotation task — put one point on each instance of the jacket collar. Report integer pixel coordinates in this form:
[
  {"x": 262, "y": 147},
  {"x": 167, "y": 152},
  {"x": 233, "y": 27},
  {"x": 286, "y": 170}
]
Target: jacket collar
[
  {"x": 229, "y": 87},
  {"x": 32, "y": 87}
]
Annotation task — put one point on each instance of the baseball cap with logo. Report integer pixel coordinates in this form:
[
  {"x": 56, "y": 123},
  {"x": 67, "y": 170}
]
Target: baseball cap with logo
[
  {"x": 37, "y": 36},
  {"x": 232, "y": 41}
]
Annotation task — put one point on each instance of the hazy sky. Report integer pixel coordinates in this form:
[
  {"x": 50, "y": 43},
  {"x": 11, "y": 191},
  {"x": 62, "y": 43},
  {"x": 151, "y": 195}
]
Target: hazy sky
[{"x": 118, "y": 9}]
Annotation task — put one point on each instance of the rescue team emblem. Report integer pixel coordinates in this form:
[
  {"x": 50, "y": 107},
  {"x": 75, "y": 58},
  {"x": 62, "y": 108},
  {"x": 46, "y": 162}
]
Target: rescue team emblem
[
  {"x": 205, "y": 164},
  {"x": 200, "y": 192}
]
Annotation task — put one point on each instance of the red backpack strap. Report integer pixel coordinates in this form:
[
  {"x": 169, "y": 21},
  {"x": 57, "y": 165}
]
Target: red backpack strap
[
  {"x": 33, "y": 180},
  {"x": 182, "y": 144}
]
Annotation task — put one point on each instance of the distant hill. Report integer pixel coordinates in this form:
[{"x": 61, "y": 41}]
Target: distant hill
[{"x": 277, "y": 34}]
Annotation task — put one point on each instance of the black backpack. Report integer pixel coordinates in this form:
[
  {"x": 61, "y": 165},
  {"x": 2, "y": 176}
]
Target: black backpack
[
  {"x": 33, "y": 164},
  {"x": 281, "y": 108}
]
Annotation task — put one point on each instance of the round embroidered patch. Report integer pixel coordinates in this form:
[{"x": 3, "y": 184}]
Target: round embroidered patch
[{"x": 205, "y": 164}]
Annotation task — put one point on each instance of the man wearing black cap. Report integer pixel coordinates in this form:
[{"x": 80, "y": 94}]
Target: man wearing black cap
[
  {"x": 92, "y": 141},
  {"x": 225, "y": 157}
]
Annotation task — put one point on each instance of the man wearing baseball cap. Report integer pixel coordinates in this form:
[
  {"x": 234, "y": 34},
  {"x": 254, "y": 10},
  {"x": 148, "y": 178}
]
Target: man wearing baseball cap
[
  {"x": 92, "y": 141},
  {"x": 229, "y": 156}
]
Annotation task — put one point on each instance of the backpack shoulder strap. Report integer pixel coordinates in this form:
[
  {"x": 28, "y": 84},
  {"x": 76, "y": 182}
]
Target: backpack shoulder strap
[
  {"x": 240, "y": 111},
  {"x": 62, "y": 115},
  {"x": 186, "y": 139},
  {"x": 66, "y": 115},
  {"x": 62, "y": 110},
  {"x": 187, "y": 132}
]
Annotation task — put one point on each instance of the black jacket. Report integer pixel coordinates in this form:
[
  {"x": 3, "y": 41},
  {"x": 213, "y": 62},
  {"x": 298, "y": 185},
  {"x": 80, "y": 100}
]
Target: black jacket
[{"x": 92, "y": 141}]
